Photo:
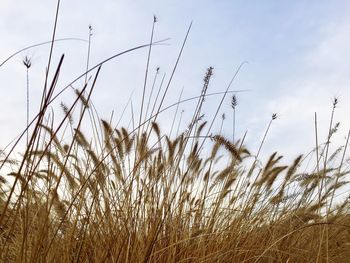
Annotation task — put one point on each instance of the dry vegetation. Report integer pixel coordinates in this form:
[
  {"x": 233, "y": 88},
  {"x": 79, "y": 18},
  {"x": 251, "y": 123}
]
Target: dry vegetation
[{"x": 140, "y": 195}]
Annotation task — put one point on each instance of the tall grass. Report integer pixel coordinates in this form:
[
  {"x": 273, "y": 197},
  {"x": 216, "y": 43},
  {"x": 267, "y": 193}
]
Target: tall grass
[{"x": 142, "y": 195}]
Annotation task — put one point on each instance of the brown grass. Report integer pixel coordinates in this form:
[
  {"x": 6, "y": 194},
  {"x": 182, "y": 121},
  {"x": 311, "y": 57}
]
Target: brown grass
[{"x": 144, "y": 196}]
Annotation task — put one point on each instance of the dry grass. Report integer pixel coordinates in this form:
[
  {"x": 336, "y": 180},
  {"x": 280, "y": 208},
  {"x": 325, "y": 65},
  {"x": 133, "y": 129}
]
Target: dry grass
[{"x": 144, "y": 196}]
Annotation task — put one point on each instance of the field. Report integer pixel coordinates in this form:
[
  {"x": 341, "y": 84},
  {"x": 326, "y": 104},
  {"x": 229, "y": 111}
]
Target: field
[{"x": 111, "y": 194}]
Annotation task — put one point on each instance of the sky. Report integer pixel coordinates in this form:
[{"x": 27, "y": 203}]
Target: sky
[{"x": 297, "y": 53}]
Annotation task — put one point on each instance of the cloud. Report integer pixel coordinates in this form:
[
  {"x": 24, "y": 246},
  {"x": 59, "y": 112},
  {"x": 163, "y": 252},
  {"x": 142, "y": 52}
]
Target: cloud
[{"x": 323, "y": 75}]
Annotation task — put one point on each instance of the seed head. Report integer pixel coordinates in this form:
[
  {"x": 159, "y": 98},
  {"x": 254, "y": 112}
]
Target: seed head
[
  {"x": 90, "y": 30},
  {"x": 27, "y": 62},
  {"x": 234, "y": 102},
  {"x": 335, "y": 102},
  {"x": 208, "y": 74}
]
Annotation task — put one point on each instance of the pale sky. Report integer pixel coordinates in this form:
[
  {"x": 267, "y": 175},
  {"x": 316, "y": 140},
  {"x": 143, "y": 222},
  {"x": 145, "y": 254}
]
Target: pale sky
[{"x": 298, "y": 54}]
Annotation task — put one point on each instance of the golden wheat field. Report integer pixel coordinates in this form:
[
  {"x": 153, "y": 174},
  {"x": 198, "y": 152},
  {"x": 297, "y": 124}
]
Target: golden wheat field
[{"x": 86, "y": 189}]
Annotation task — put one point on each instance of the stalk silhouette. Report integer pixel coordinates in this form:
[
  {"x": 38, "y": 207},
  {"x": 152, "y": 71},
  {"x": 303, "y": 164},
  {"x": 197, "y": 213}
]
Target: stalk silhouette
[{"x": 153, "y": 194}]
